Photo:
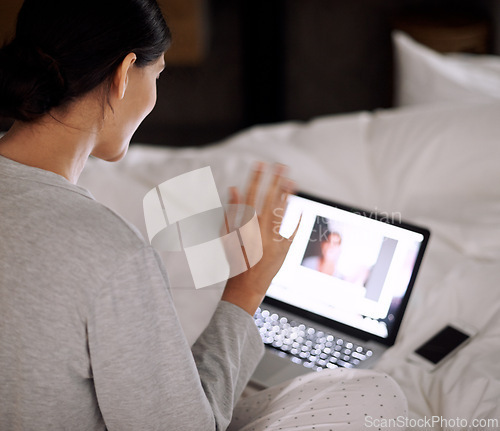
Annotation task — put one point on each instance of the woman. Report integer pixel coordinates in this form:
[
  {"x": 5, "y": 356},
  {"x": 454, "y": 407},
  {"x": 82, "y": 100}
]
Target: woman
[{"x": 89, "y": 337}]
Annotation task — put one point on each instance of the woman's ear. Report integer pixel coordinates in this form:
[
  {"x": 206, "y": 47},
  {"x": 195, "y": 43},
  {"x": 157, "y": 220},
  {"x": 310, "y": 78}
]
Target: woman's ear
[{"x": 120, "y": 80}]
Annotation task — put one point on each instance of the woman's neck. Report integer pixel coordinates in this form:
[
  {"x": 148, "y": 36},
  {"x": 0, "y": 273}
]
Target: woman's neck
[{"x": 50, "y": 144}]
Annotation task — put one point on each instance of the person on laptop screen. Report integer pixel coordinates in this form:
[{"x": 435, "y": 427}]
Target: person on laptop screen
[
  {"x": 327, "y": 253},
  {"x": 326, "y": 261},
  {"x": 89, "y": 336}
]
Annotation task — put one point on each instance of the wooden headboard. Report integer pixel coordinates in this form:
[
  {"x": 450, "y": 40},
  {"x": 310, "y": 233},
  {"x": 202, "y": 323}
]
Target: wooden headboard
[
  {"x": 187, "y": 19},
  {"x": 266, "y": 61}
]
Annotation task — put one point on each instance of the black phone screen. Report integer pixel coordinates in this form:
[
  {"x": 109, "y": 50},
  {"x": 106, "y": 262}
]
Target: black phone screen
[{"x": 444, "y": 342}]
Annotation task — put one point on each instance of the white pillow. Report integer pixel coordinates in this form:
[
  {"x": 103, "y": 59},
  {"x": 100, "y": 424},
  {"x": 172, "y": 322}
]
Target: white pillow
[{"x": 426, "y": 76}]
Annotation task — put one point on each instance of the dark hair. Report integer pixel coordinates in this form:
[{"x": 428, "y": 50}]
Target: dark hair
[
  {"x": 325, "y": 237},
  {"x": 64, "y": 49}
]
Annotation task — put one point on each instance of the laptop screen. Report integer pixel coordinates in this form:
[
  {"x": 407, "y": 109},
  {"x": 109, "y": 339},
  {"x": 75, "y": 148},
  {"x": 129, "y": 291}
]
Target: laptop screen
[{"x": 348, "y": 266}]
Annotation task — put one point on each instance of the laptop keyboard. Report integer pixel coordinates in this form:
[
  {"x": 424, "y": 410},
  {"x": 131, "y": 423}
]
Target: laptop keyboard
[{"x": 307, "y": 346}]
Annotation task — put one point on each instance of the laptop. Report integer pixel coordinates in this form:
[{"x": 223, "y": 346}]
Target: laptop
[{"x": 341, "y": 294}]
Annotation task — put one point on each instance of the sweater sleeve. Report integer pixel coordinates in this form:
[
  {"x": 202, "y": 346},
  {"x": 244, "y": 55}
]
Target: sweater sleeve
[
  {"x": 145, "y": 375},
  {"x": 225, "y": 367}
]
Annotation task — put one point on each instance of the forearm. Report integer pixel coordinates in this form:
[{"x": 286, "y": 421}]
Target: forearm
[
  {"x": 246, "y": 291},
  {"x": 226, "y": 355}
]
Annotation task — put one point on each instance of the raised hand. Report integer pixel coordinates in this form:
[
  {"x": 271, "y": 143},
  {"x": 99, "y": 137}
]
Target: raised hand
[{"x": 249, "y": 288}]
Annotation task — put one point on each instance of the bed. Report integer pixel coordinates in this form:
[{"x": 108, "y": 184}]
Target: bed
[{"x": 434, "y": 160}]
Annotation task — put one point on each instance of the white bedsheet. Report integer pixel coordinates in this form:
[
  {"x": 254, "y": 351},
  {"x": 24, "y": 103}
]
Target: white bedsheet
[{"x": 437, "y": 166}]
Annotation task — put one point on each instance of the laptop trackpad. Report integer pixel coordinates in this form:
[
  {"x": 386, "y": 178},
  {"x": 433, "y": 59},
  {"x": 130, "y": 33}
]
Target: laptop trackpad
[{"x": 273, "y": 370}]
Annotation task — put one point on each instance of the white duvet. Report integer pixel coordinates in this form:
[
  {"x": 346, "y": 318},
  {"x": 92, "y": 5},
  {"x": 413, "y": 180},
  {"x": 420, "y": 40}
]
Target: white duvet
[{"x": 436, "y": 166}]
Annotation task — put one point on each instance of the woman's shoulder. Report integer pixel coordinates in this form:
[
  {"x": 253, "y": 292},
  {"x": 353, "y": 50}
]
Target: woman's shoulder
[
  {"x": 48, "y": 203},
  {"x": 85, "y": 216},
  {"x": 65, "y": 236}
]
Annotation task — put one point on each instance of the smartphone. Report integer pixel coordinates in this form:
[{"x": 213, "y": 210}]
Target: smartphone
[{"x": 441, "y": 346}]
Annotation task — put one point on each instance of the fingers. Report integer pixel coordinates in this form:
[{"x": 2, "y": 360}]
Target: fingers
[
  {"x": 234, "y": 196},
  {"x": 292, "y": 236},
  {"x": 230, "y": 215},
  {"x": 278, "y": 208},
  {"x": 288, "y": 188},
  {"x": 275, "y": 197},
  {"x": 277, "y": 187},
  {"x": 253, "y": 186}
]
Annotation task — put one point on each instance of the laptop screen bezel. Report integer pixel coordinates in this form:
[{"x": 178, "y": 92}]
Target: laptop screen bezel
[{"x": 393, "y": 329}]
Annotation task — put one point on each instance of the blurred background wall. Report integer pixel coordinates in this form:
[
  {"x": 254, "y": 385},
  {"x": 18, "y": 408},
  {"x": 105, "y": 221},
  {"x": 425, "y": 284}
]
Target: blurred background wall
[{"x": 235, "y": 63}]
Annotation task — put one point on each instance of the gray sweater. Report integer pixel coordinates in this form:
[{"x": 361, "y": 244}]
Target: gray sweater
[{"x": 89, "y": 336}]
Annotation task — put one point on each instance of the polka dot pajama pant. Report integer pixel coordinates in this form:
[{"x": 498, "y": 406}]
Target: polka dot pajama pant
[{"x": 329, "y": 400}]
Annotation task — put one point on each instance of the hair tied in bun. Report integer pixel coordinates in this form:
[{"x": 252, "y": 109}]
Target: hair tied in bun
[{"x": 52, "y": 64}]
